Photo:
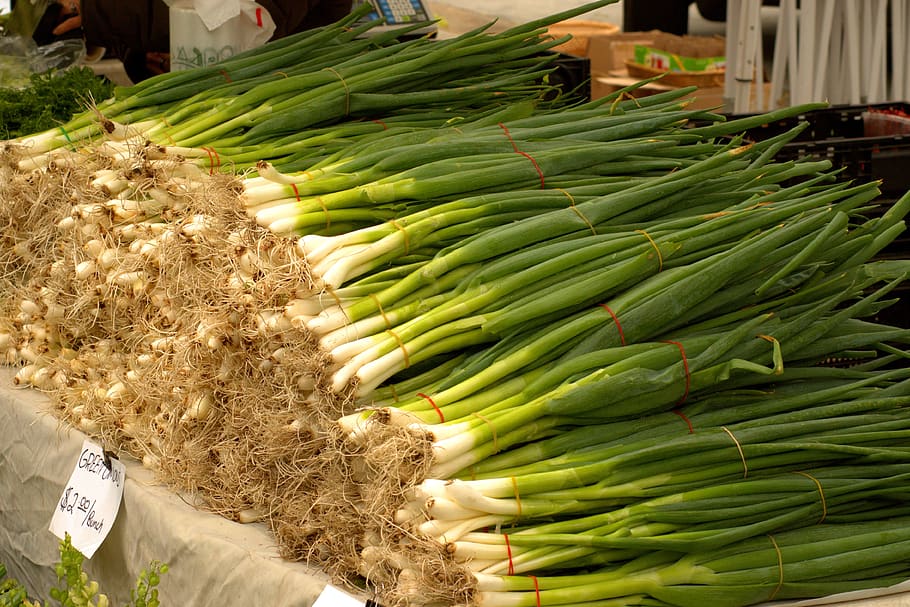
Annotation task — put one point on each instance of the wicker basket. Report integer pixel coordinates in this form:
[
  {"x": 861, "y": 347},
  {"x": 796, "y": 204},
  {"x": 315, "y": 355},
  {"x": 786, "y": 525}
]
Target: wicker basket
[
  {"x": 581, "y": 32},
  {"x": 704, "y": 79}
]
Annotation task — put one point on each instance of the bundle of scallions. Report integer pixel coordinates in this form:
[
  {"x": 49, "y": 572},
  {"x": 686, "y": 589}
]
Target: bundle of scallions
[{"x": 481, "y": 345}]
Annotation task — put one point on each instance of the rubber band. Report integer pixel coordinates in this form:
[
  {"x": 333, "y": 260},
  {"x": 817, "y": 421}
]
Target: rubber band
[
  {"x": 384, "y": 126},
  {"x": 347, "y": 91},
  {"x": 685, "y": 419},
  {"x": 517, "y": 497},
  {"x": 325, "y": 211},
  {"x": 407, "y": 359},
  {"x": 442, "y": 418},
  {"x": 508, "y": 136},
  {"x": 509, "y": 554},
  {"x": 739, "y": 448},
  {"x": 660, "y": 258},
  {"x": 780, "y": 568},
  {"x": 394, "y": 393},
  {"x": 296, "y": 191},
  {"x": 214, "y": 159},
  {"x": 169, "y": 138},
  {"x": 821, "y": 494},
  {"x": 622, "y": 336},
  {"x": 388, "y": 325},
  {"x": 543, "y": 183},
  {"x": 282, "y": 73},
  {"x": 525, "y": 154},
  {"x": 685, "y": 362},
  {"x": 404, "y": 233},
  {"x": 224, "y": 73},
  {"x": 492, "y": 430},
  {"x": 577, "y": 211},
  {"x": 536, "y": 588},
  {"x": 258, "y": 16}
]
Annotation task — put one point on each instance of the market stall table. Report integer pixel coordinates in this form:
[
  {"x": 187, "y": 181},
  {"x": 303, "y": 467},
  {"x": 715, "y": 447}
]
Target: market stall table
[{"x": 212, "y": 561}]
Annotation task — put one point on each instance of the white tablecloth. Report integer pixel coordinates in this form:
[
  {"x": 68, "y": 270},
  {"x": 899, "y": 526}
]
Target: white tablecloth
[{"x": 212, "y": 561}]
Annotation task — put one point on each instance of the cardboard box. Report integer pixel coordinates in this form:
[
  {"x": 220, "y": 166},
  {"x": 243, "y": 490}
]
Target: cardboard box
[
  {"x": 610, "y": 53},
  {"x": 703, "y": 98}
]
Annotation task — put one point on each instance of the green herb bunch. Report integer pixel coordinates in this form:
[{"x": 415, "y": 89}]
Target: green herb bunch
[{"x": 49, "y": 99}]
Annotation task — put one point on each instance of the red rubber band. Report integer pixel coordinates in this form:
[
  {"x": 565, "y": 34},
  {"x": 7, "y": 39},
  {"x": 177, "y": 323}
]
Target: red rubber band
[
  {"x": 296, "y": 193},
  {"x": 622, "y": 337},
  {"x": 508, "y": 136},
  {"x": 685, "y": 368},
  {"x": 258, "y": 16},
  {"x": 525, "y": 154},
  {"x": 536, "y": 588},
  {"x": 685, "y": 419},
  {"x": 384, "y": 126},
  {"x": 442, "y": 417},
  {"x": 214, "y": 159},
  {"x": 537, "y": 168},
  {"x": 226, "y": 75},
  {"x": 509, "y": 552}
]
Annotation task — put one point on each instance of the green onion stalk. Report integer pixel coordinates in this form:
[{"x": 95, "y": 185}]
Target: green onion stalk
[
  {"x": 271, "y": 92},
  {"x": 806, "y": 562},
  {"x": 631, "y": 272}
]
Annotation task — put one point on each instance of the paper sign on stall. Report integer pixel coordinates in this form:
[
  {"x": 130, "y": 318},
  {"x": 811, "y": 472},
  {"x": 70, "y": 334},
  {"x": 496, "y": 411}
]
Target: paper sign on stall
[
  {"x": 90, "y": 500},
  {"x": 333, "y": 597}
]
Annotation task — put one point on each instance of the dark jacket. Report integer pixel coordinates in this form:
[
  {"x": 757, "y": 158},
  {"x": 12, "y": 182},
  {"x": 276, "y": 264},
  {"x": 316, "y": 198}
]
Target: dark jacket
[{"x": 141, "y": 26}]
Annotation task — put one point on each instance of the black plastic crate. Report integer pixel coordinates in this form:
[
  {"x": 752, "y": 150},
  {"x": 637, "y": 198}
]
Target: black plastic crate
[
  {"x": 840, "y": 134},
  {"x": 572, "y": 74}
]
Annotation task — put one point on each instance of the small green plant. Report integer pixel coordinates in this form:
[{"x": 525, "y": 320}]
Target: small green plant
[
  {"x": 12, "y": 593},
  {"x": 77, "y": 590}
]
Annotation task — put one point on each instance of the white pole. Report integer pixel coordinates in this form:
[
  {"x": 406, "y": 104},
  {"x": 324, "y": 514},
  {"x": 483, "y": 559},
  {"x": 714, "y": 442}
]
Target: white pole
[
  {"x": 899, "y": 48},
  {"x": 877, "y": 69},
  {"x": 823, "y": 50},
  {"x": 806, "y": 62},
  {"x": 786, "y": 20},
  {"x": 853, "y": 48},
  {"x": 734, "y": 14}
]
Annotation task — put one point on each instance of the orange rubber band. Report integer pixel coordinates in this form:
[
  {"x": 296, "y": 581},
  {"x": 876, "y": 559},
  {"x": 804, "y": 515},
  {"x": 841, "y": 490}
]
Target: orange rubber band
[
  {"x": 685, "y": 419},
  {"x": 384, "y": 126},
  {"x": 739, "y": 448},
  {"x": 214, "y": 159},
  {"x": 525, "y": 154},
  {"x": 296, "y": 191},
  {"x": 660, "y": 258},
  {"x": 227, "y": 76},
  {"x": 622, "y": 336},
  {"x": 509, "y": 553},
  {"x": 685, "y": 362},
  {"x": 442, "y": 418},
  {"x": 536, "y": 588}
]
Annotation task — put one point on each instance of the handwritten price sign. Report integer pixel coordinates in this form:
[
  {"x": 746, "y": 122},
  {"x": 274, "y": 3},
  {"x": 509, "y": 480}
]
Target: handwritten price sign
[{"x": 90, "y": 500}]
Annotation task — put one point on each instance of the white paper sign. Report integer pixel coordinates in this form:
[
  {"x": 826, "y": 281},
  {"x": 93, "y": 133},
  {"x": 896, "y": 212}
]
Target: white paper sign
[
  {"x": 90, "y": 500},
  {"x": 333, "y": 597}
]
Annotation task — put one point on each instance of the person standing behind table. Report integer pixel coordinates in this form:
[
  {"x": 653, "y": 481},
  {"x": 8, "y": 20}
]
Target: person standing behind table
[{"x": 137, "y": 31}]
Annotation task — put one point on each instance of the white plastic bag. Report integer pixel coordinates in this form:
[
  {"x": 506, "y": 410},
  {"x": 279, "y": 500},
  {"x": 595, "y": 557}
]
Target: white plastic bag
[{"x": 204, "y": 32}]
